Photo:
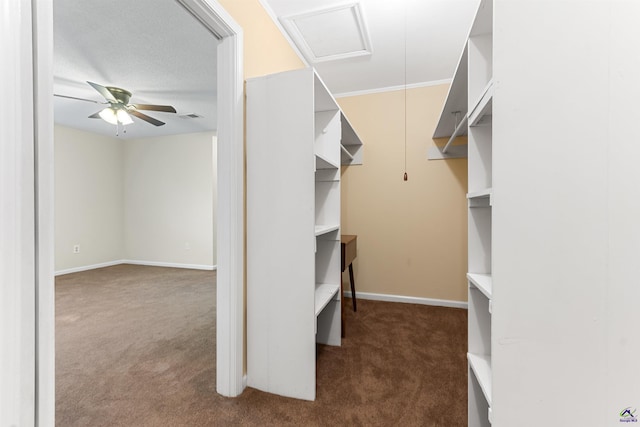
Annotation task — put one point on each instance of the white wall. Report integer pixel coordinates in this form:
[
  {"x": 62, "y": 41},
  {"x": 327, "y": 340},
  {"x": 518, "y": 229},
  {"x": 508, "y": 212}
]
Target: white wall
[
  {"x": 88, "y": 198},
  {"x": 169, "y": 195},
  {"x": 138, "y": 200}
]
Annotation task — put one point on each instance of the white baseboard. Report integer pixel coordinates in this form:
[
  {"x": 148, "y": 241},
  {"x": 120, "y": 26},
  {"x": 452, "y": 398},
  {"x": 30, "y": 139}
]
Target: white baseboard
[
  {"x": 88, "y": 267},
  {"x": 170, "y": 264},
  {"x": 135, "y": 262},
  {"x": 408, "y": 300}
]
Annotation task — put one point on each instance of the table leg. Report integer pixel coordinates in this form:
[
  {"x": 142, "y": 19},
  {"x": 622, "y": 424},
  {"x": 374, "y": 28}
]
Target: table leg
[{"x": 353, "y": 287}]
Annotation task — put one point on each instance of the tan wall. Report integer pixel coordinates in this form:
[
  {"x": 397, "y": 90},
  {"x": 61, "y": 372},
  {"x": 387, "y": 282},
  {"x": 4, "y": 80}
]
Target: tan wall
[
  {"x": 412, "y": 236},
  {"x": 266, "y": 51}
]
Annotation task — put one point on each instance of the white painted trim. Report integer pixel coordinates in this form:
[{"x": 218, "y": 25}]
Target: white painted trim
[
  {"x": 42, "y": 21},
  {"x": 392, "y": 88},
  {"x": 284, "y": 33},
  {"x": 88, "y": 267},
  {"x": 408, "y": 300},
  {"x": 230, "y": 240},
  {"x": 170, "y": 264},
  {"x": 18, "y": 280},
  {"x": 135, "y": 262}
]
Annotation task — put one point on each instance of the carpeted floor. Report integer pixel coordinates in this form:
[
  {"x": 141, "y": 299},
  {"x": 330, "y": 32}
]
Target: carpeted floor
[{"x": 135, "y": 346}]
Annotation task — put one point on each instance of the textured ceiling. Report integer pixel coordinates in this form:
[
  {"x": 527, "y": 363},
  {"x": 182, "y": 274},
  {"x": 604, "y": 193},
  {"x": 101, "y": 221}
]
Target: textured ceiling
[
  {"x": 434, "y": 36},
  {"x": 160, "y": 53},
  {"x": 154, "y": 49}
]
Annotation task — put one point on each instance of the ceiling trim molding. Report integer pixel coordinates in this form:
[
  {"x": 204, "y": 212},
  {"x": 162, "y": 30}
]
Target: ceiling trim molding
[
  {"x": 284, "y": 33},
  {"x": 392, "y": 88}
]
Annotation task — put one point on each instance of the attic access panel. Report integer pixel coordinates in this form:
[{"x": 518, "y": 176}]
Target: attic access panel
[{"x": 330, "y": 34}]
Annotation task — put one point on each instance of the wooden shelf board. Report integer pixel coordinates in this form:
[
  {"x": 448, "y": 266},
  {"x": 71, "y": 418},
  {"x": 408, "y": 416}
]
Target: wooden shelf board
[
  {"x": 481, "y": 367},
  {"x": 324, "y": 293},
  {"x": 456, "y": 99},
  {"x": 324, "y": 229},
  {"x": 482, "y": 282},
  {"x": 345, "y": 155},
  {"x": 349, "y": 135},
  {"x": 322, "y": 99},
  {"x": 323, "y": 163},
  {"x": 485, "y": 193}
]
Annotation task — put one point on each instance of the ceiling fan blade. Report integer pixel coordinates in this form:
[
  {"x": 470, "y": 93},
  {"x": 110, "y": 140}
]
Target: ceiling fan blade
[
  {"x": 95, "y": 115},
  {"x": 73, "y": 97},
  {"x": 163, "y": 108},
  {"x": 145, "y": 118},
  {"x": 103, "y": 91}
]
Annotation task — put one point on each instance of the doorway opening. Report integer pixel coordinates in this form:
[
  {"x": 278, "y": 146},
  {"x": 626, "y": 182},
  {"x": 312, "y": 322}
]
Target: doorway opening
[{"x": 230, "y": 261}]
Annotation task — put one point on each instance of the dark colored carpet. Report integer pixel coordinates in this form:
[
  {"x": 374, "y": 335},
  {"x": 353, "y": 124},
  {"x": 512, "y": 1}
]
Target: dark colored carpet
[{"x": 136, "y": 347}]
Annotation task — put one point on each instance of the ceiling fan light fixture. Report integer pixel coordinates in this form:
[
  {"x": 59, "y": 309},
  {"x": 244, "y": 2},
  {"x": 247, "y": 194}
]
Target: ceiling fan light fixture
[
  {"x": 109, "y": 116},
  {"x": 114, "y": 117},
  {"x": 123, "y": 117}
]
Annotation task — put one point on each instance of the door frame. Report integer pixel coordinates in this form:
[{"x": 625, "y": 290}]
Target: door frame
[
  {"x": 230, "y": 222},
  {"x": 32, "y": 144}
]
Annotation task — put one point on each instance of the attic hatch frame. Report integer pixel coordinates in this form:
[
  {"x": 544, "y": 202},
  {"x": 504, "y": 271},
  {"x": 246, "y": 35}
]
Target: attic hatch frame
[{"x": 27, "y": 326}]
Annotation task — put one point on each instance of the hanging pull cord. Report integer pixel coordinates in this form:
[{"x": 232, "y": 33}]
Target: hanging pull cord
[{"x": 406, "y": 177}]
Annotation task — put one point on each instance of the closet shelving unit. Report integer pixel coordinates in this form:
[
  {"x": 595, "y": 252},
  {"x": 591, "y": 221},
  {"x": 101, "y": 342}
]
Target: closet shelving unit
[
  {"x": 480, "y": 173},
  {"x": 351, "y": 148},
  {"x": 553, "y": 296},
  {"x": 474, "y": 84},
  {"x": 297, "y": 138},
  {"x": 453, "y": 120}
]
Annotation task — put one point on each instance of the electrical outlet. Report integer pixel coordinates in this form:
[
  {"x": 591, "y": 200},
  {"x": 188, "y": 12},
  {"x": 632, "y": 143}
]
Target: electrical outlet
[
  {"x": 187, "y": 246},
  {"x": 76, "y": 249}
]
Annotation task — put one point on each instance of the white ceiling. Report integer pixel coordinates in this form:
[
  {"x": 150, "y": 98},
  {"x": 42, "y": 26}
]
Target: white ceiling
[
  {"x": 160, "y": 53},
  {"x": 154, "y": 49},
  {"x": 435, "y": 34}
]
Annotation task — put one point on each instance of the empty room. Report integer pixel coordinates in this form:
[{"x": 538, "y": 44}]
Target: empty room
[{"x": 314, "y": 212}]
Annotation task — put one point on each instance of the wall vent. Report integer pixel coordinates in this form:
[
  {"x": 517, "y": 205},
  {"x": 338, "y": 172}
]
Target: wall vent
[{"x": 191, "y": 116}]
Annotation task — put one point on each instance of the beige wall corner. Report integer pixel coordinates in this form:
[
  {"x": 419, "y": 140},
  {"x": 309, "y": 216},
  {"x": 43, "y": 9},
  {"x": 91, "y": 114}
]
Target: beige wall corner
[
  {"x": 89, "y": 200},
  {"x": 412, "y": 236},
  {"x": 266, "y": 51},
  {"x": 169, "y": 193}
]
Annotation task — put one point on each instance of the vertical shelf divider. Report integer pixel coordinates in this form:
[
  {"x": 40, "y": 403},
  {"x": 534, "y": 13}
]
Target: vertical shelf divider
[{"x": 295, "y": 131}]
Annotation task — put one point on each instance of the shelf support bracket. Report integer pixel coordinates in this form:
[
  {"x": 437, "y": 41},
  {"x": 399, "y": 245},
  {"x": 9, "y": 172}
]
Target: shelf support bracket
[
  {"x": 456, "y": 131},
  {"x": 449, "y": 151}
]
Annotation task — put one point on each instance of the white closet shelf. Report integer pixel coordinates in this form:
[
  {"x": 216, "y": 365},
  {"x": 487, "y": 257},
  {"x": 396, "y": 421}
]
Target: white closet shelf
[
  {"x": 324, "y": 163},
  {"x": 480, "y": 198},
  {"x": 456, "y": 100},
  {"x": 345, "y": 156},
  {"x": 324, "y": 293},
  {"x": 324, "y": 229},
  {"x": 481, "y": 113},
  {"x": 351, "y": 148},
  {"x": 481, "y": 367},
  {"x": 482, "y": 282}
]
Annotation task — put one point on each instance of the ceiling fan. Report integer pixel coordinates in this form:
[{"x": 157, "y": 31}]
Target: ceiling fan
[{"x": 119, "y": 110}]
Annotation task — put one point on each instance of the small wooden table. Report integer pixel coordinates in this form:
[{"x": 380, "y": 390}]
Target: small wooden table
[{"x": 349, "y": 251}]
